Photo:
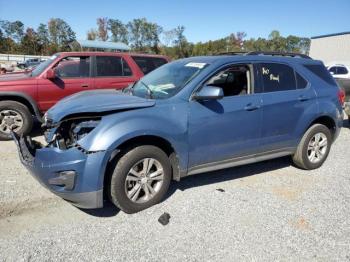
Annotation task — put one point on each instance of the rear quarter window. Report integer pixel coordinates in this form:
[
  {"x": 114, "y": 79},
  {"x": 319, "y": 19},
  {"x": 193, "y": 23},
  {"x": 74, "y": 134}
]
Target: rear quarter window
[
  {"x": 148, "y": 64},
  {"x": 321, "y": 72}
]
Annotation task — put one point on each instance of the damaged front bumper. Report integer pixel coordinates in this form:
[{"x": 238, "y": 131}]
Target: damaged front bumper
[{"x": 73, "y": 174}]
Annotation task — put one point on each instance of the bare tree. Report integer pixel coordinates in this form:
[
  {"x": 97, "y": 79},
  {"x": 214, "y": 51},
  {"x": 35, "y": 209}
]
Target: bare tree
[{"x": 102, "y": 24}]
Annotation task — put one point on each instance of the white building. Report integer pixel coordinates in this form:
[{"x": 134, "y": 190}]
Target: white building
[{"x": 331, "y": 49}]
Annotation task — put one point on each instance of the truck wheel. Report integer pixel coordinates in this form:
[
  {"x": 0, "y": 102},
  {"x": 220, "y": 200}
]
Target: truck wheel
[
  {"x": 14, "y": 116},
  {"x": 140, "y": 179},
  {"x": 313, "y": 148}
]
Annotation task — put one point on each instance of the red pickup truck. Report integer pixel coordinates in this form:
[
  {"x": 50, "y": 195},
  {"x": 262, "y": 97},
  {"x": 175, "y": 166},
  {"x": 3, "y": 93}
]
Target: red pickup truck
[{"x": 24, "y": 96}]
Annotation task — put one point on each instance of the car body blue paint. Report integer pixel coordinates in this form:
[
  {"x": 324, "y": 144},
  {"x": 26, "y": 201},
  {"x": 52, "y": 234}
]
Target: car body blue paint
[
  {"x": 95, "y": 102},
  {"x": 200, "y": 132}
]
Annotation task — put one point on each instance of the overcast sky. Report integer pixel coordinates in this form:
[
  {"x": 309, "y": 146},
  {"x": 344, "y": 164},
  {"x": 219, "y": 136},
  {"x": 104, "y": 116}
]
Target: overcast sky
[{"x": 203, "y": 19}]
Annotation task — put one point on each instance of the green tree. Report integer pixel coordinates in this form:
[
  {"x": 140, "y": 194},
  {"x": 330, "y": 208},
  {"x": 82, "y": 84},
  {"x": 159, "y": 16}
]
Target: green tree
[
  {"x": 43, "y": 38},
  {"x": 118, "y": 30},
  {"x": 60, "y": 35},
  {"x": 30, "y": 42},
  {"x": 136, "y": 33},
  {"x": 13, "y": 30},
  {"x": 144, "y": 35}
]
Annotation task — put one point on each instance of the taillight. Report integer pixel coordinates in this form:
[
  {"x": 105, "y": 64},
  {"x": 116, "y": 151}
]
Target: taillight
[{"x": 341, "y": 96}]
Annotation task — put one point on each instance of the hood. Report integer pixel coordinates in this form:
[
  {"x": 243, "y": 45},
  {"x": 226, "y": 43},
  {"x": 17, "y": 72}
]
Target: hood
[
  {"x": 13, "y": 77},
  {"x": 97, "y": 101}
]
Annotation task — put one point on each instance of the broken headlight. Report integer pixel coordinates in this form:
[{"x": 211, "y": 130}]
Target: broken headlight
[
  {"x": 80, "y": 130},
  {"x": 71, "y": 131}
]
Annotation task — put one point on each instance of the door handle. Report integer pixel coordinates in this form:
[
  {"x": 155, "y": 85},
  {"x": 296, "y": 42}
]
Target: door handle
[
  {"x": 84, "y": 85},
  {"x": 303, "y": 98},
  {"x": 251, "y": 107}
]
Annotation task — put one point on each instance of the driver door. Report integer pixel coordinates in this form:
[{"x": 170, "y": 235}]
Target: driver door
[
  {"x": 227, "y": 129},
  {"x": 73, "y": 74}
]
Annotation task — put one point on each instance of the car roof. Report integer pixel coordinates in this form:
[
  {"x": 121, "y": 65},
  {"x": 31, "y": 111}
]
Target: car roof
[
  {"x": 99, "y": 53},
  {"x": 224, "y": 59}
]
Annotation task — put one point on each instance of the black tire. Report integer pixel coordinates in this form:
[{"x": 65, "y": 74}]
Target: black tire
[
  {"x": 23, "y": 111},
  {"x": 300, "y": 158},
  {"x": 117, "y": 188}
]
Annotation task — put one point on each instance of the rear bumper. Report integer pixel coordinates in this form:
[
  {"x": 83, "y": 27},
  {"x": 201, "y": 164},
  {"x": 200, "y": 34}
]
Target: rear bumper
[{"x": 50, "y": 166}]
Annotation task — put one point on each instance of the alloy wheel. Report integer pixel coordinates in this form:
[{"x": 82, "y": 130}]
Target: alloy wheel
[
  {"x": 144, "y": 180},
  {"x": 10, "y": 120},
  {"x": 317, "y": 148}
]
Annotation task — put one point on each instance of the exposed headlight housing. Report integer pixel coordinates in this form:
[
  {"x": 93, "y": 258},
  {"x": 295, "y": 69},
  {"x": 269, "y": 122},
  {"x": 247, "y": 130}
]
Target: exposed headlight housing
[
  {"x": 71, "y": 131},
  {"x": 81, "y": 129}
]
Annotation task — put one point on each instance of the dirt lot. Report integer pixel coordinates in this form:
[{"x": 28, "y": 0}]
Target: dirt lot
[{"x": 267, "y": 211}]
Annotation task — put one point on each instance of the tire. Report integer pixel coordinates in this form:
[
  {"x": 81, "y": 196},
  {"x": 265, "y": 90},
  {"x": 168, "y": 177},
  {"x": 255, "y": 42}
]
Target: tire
[
  {"x": 134, "y": 159},
  {"x": 302, "y": 156},
  {"x": 16, "y": 111}
]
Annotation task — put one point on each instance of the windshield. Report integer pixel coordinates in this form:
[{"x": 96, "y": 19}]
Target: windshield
[
  {"x": 167, "y": 80},
  {"x": 42, "y": 66}
]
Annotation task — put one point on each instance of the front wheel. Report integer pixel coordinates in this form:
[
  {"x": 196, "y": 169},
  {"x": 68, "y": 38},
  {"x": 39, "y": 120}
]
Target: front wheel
[
  {"x": 16, "y": 117},
  {"x": 140, "y": 179},
  {"x": 313, "y": 148}
]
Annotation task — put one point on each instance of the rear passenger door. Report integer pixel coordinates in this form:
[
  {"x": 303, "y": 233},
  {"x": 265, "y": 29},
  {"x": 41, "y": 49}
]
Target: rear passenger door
[
  {"x": 112, "y": 72},
  {"x": 286, "y": 96}
]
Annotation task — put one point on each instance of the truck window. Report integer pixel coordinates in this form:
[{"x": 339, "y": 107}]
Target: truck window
[
  {"x": 112, "y": 66},
  {"x": 148, "y": 64},
  {"x": 73, "y": 67}
]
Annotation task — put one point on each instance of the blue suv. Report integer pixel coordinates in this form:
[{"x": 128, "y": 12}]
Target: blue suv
[{"x": 190, "y": 116}]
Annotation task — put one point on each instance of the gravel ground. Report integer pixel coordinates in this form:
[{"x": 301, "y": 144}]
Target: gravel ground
[{"x": 267, "y": 211}]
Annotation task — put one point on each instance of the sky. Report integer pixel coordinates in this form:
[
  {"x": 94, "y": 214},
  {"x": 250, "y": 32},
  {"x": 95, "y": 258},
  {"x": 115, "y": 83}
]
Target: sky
[{"x": 203, "y": 19}]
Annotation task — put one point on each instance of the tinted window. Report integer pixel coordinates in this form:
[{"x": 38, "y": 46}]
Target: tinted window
[
  {"x": 321, "y": 72},
  {"x": 333, "y": 70},
  {"x": 301, "y": 82},
  {"x": 148, "y": 64},
  {"x": 70, "y": 67},
  {"x": 341, "y": 70},
  {"x": 112, "y": 66},
  {"x": 277, "y": 77}
]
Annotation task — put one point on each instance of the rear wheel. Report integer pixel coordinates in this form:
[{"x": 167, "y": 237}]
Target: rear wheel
[
  {"x": 313, "y": 148},
  {"x": 14, "y": 116},
  {"x": 140, "y": 179}
]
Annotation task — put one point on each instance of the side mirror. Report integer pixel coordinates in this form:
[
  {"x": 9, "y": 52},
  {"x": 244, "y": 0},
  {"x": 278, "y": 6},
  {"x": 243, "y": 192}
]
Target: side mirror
[
  {"x": 51, "y": 74},
  {"x": 209, "y": 93}
]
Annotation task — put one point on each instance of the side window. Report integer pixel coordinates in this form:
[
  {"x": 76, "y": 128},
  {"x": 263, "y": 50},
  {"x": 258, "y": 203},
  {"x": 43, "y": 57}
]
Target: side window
[
  {"x": 148, "y": 64},
  {"x": 301, "y": 82},
  {"x": 112, "y": 66},
  {"x": 333, "y": 70},
  {"x": 277, "y": 77},
  {"x": 73, "y": 67},
  {"x": 321, "y": 71},
  {"x": 235, "y": 80},
  {"x": 341, "y": 70}
]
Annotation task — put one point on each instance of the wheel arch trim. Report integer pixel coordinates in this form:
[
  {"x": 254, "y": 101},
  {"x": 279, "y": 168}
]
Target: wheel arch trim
[{"x": 34, "y": 107}]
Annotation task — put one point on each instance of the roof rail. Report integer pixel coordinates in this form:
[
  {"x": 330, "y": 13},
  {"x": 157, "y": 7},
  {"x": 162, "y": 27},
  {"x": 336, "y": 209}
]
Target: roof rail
[
  {"x": 278, "y": 54},
  {"x": 232, "y": 53}
]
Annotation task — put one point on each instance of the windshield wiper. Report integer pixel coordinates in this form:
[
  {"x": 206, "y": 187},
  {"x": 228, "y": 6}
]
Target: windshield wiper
[{"x": 150, "y": 92}]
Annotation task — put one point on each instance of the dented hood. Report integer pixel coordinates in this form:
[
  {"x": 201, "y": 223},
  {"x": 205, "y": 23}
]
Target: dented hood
[{"x": 97, "y": 101}]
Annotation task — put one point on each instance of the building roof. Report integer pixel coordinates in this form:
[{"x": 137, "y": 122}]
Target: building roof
[
  {"x": 329, "y": 35},
  {"x": 103, "y": 45}
]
